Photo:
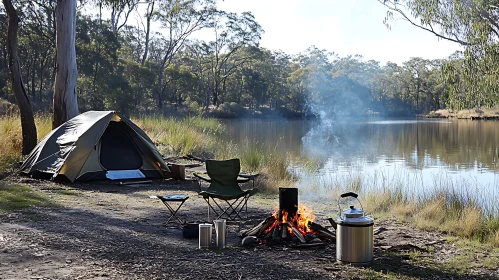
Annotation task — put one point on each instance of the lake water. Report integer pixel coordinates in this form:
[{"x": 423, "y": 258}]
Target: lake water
[{"x": 419, "y": 155}]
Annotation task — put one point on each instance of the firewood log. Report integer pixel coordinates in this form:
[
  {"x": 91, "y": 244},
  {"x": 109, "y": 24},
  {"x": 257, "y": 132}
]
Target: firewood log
[
  {"x": 322, "y": 231},
  {"x": 297, "y": 233},
  {"x": 284, "y": 233},
  {"x": 260, "y": 228}
]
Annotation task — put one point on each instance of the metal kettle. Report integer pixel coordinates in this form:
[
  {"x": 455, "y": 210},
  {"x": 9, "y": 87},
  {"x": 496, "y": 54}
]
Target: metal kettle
[{"x": 354, "y": 234}]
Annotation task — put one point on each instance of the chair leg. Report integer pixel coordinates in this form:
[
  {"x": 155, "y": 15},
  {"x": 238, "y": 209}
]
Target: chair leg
[
  {"x": 233, "y": 209},
  {"x": 212, "y": 208},
  {"x": 173, "y": 212}
]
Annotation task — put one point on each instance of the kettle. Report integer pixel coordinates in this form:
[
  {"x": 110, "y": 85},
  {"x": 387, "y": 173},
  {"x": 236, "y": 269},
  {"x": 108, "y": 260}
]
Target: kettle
[{"x": 354, "y": 234}]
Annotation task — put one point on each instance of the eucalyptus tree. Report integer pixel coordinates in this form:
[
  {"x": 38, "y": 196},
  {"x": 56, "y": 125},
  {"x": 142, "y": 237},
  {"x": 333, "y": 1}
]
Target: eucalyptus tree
[
  {"x": 196, "y": 55},
  {"x": 452, "y": 75},
  {"x": 38, "y": 47},
  {"x": 4, "y": 68},
  {"x": 148, "y": 15},
  {"x": 472, "y": 23},
  {"x": 97, "y": 60},
  {"x": 65, "y": 99},
  {"x": 279, "y": 73},
  {"x": 298, "y": 89},
  {"x": 389, "y": 85},
  {"x": 232, "y": 32},
  {"x": 120, "y": 12},
  {"x": 179, "y": 19},
  {"x": 29, "y": 137}
]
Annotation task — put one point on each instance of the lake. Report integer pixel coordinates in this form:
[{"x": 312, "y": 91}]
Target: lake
[{"x": 419, "y": 155}]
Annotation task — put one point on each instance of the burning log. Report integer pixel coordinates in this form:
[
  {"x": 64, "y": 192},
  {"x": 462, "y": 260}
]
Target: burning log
[
  {"x": 260, "y": 228},
  {"x": 284, "y": 233},
  {"x": 297, "y": 233},
  {"x": 322, "y": 231},
  {"x": 276, "y": 235},
  {"x": 291, "y": 224}
]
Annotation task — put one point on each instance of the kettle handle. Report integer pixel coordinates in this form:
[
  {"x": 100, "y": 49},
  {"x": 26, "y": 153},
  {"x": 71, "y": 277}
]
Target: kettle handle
[
  {"x": 352, "y": 194},
  {"x": 348, "y": 194}
]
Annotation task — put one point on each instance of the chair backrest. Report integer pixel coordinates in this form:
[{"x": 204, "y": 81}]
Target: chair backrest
[{"x": 223, "y": 174}]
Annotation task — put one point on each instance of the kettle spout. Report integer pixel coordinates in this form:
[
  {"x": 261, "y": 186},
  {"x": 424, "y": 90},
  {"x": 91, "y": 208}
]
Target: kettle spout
[{"x": 332, "y": 222}]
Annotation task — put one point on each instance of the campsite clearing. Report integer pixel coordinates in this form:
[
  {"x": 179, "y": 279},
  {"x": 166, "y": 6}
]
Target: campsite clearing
[{"x": 109, "y": 231}]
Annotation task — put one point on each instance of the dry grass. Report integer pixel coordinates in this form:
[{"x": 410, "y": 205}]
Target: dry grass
[
  {"x": 404, "y": 211},
  {"x": 431, "y": 214},
  {"x": 174, "y": 137},
  {"x": 11, "y": 138},
  {"x": 10, "y": 142},
  {"x": 495, "y": 238}
]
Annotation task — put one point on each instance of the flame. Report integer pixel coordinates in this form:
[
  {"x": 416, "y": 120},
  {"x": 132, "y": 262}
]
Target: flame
[
  {"x": 301, "y": 221},
  {"x": 303, "y": 218}
]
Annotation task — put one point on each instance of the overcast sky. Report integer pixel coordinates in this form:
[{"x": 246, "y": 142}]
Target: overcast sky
[{"x": 342, "y": 26}]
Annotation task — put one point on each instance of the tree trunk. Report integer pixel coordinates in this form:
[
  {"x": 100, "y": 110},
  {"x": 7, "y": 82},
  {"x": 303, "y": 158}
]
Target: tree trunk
[
  {"x": 27, "y": 120},
  {"x": 65, "y": 100},
  {"x": 148, "y": 30}
]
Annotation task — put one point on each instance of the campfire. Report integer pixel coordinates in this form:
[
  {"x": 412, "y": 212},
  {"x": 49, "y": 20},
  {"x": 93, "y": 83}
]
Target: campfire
[{"x": 291, "y": 224}]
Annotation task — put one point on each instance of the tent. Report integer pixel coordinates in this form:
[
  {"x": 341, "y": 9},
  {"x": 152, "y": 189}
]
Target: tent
[{"x": 96, "y": 145}]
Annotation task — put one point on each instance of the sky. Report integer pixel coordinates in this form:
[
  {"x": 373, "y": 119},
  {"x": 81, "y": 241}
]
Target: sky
[{"x": 346, "y": 27}]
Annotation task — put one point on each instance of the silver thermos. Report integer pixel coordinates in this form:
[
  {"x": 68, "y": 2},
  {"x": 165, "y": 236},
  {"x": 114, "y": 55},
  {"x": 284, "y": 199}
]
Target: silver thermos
[{"x": 220, "y": 232}]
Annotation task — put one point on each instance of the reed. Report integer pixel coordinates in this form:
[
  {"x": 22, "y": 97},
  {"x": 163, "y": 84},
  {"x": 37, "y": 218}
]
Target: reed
[
  {"x": 446, "y": 206},
  {"x": 272, "y": 164},
  {"x": 175, "y": 137}
]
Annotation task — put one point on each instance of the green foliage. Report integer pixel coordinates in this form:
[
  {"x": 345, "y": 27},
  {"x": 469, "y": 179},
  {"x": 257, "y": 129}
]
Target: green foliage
[
  {"x": 472, "y": 78},
  {"x": 230, "y": 75}
]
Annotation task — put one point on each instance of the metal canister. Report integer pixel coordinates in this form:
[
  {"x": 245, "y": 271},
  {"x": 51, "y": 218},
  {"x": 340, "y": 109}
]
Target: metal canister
[
  {"x": 220, "y": 233},
  {"x": 205, "y": 232},
  {"x": 354, "y": 235}
]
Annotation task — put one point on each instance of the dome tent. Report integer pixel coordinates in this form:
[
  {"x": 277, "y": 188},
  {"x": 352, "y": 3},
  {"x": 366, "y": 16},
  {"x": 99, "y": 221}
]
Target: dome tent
[{"x": 93, "y": 144}]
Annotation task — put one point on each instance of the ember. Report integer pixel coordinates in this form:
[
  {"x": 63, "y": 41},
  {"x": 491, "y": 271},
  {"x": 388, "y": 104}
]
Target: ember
[{"x": 291, "y": 223}]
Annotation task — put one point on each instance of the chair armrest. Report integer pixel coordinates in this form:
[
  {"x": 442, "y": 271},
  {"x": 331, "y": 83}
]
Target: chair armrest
[
  {"x": 202, "y": 176},
  {"x": 249, "y": 176}
]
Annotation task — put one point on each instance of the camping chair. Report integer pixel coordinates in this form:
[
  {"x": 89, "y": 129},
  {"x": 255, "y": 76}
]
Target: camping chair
[{"x": 224, "y": 195}]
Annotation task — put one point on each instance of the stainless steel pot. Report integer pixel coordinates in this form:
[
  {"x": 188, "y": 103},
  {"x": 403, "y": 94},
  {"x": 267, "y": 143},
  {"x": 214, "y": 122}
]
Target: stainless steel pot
[{"x": 354, "y": 234}]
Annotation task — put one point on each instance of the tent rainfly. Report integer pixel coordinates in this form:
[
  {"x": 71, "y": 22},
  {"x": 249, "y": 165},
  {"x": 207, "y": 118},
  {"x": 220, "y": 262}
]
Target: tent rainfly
[{"x": 93, "y": 145}]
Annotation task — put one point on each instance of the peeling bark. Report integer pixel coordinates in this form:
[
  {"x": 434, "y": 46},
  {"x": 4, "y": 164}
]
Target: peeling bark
[{"x": 65, "y": 99}]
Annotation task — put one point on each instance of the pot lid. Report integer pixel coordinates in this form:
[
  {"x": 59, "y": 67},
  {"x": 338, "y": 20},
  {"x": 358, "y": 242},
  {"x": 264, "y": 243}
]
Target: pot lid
[
  {"x": 353, "y": 212},
  {"x": 363, "y": 220}
]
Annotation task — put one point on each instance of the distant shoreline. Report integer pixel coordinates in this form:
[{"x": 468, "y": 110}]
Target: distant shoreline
[{"x": 470, "y": 114}]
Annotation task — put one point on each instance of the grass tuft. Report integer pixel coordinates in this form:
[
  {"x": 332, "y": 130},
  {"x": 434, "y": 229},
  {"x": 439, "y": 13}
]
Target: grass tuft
[{"x": 17, "y": 197}]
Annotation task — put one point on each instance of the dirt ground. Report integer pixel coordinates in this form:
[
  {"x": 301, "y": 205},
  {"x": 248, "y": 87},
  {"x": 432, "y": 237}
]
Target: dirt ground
[{"x": 110, "y": 231}]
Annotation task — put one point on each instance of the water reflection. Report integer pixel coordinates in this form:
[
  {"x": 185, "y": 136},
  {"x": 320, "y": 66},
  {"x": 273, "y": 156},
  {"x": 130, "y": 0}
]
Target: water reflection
[
  {"x": 455, "y": 144},
  {"x": 426, "y": 153}
]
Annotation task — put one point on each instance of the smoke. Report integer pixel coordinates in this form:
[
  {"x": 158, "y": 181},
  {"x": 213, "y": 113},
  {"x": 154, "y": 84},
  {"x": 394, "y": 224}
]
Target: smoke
[{"x": 338, "y": 103}]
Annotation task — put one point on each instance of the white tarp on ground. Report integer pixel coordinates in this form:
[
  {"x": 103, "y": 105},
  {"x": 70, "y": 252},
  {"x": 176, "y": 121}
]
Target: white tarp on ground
[{"x": 124, "y": 174}]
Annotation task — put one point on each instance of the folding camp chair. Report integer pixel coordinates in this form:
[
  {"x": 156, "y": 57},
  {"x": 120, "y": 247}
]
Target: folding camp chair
[{"x": 224, "y": 195}]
